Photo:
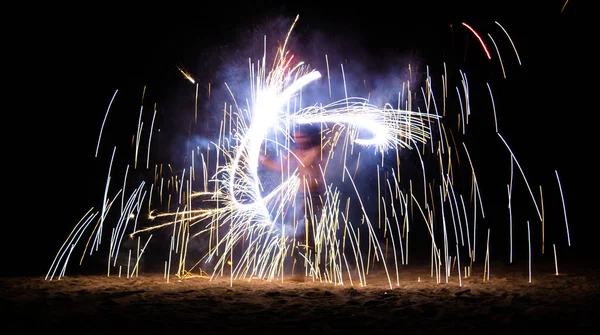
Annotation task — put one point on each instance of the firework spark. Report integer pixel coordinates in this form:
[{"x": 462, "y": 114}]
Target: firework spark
[
  {"x": 187, "y": 75},
  {"x": 485, "y": 49},
  {"x": 251, "y": 231}
]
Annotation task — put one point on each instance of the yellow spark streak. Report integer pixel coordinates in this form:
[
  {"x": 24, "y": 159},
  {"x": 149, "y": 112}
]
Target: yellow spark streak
[
  {"x": 150, "y": 138},
  {"x": 563, "y": 7},
  {"x": 555, "y": 259},
  {"x": 187, "y": 75}
]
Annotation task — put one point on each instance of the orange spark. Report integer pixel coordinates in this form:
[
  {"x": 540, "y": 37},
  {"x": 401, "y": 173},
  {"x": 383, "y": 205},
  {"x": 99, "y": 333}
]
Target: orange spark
[{"x": 186, "y": 75}]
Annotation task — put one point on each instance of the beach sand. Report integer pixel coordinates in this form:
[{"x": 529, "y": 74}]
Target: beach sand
[{"x": 506, "y": 303}]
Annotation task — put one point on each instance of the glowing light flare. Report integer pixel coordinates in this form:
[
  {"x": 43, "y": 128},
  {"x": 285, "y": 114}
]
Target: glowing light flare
[
  {"x": 186, "y": 75},
  {"x": 381, "y": 135},
  {"x": 389, "y": 127},
  {"x": 267, "y": 112}
]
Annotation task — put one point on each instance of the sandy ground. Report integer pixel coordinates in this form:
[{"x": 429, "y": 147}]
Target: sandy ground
[{"x": 506, "y": 303}]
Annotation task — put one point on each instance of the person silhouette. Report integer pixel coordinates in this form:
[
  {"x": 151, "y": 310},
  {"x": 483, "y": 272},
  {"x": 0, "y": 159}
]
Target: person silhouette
[{"x": 308, "y": 158}]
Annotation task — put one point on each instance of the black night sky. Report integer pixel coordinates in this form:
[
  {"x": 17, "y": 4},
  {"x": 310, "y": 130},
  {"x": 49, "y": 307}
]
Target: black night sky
[{"x": 74, "y": 59}]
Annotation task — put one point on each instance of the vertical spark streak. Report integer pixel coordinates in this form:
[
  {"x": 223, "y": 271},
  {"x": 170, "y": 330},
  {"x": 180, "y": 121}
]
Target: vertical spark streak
[
  {"x": 493, "y": 106},
  {"x": 499, "y": 57},
  {"x": 564, "y": 207},
  {"x": 138, "y": 137},
  {"x": 543, "y": 221},
  {"x": 555, "y": 259},
  {"x": 104, "y": 121},
  {"x": 150, "y": 139},
  {"x": 529, "y": 245}
]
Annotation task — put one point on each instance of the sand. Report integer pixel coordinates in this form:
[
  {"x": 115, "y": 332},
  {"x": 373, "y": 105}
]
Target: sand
[{"x": 506, "y": 303}]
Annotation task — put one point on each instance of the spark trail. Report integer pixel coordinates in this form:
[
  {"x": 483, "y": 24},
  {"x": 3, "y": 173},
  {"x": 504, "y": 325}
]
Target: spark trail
[{"x": 250, "y": 231}]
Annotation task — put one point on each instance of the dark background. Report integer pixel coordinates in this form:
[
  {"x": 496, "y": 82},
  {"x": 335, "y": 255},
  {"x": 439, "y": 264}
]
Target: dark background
[{"x": 65, "y": 64}]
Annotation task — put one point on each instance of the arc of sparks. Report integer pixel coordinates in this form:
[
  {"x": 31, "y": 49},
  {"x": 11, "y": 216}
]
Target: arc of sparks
[{"x": 487, "y": 52}]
